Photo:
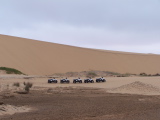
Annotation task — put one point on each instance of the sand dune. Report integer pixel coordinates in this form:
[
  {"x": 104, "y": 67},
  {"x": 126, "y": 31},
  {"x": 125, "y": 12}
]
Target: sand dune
[
  {"x": 43, "y": 58},
  {"x": 137, "y": 87}
]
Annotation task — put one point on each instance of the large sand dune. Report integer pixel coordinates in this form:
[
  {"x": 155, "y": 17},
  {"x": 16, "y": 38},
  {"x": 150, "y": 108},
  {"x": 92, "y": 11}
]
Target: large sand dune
[{"x": 43, "y": 58}]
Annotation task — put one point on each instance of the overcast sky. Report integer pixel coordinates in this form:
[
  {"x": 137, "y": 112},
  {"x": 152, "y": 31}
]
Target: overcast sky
[{"x": 120, "y": 25}]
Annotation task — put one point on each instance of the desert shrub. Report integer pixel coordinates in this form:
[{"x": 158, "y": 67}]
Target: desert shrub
[
  {"x": 70, "y": 74},
  {"x": 17, "y": 84},
  {"x": 157, "y": 74},
  {"x": 24, "y": 83},
  {"x": 143, "y": 74},
  {"x": 58, "y": 74},
  {"x": 112, "y": 73},
  {"x": 122, "y": 75},
  {"x": 1, "y": 103},
  {"x": 127, "y": 74},
  {"x": 10, "y": 70},
  {"x": 91, "y": 74},
  {"x": 27, "y": 85}
]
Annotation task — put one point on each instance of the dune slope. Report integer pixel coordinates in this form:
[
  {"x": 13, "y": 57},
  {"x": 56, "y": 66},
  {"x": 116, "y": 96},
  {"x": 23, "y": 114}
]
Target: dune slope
[{"x": 43, "y": 58}]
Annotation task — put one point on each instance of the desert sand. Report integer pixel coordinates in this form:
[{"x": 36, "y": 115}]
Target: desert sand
[
  {"x": 10, "y": 110},
  {"x": 130, "y": 85},
  {"x": 123, "y": 98},
  {"x": 34, "y": 57}
]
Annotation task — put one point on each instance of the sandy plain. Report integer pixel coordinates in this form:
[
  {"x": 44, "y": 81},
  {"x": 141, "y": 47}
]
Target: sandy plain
[
  {"x": 120, "y": 98},
  {"x": 113, "y": 83}
]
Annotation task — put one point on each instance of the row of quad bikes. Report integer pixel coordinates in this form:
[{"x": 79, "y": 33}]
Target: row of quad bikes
[{"x": 89, "y": 80}]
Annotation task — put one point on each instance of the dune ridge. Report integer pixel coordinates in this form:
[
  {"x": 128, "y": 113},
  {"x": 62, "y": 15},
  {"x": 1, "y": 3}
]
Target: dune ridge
[{"x": 35, "y": 57}]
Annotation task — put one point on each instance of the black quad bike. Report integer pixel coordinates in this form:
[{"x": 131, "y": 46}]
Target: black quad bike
[
  {"x": 52, "y": 81},
  {"x": 64, "y": 81},
  {"x": 89, "y": 80},
  {"x": 100, "y": 80},
  {"x": 77, "y": 80}
]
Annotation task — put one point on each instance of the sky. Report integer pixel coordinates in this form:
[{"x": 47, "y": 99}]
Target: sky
[{"x": 119, "y": 25}]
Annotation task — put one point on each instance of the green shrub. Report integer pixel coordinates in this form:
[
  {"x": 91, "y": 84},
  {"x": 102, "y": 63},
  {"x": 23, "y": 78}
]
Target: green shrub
[{"x": 10, "y": 70}]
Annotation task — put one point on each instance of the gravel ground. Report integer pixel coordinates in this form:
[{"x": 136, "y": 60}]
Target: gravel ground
[{"x": 80, "y": 103}]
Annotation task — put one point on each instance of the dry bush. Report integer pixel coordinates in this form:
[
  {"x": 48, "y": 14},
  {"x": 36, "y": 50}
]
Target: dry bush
[
  {"x": 1, "y": 103},
  {"x": 27, "y": 85},
  {"x": 17, "y": 84}
]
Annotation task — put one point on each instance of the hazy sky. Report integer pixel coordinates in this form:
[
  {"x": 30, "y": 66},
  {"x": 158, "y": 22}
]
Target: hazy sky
[{"x": 121, "y": 25}]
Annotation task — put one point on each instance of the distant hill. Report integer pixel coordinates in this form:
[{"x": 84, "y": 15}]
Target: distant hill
[{"x": 43, "y": 58}]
